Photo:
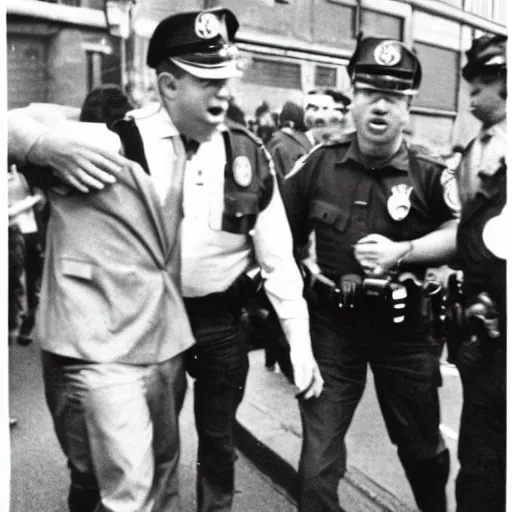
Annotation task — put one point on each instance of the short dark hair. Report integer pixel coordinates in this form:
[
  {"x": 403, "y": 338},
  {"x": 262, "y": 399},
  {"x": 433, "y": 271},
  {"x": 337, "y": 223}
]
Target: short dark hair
[
  {"x": 105, "y": 104},
  {"x": 168, "y": 66},
  {"x": 292, "y": 113}
]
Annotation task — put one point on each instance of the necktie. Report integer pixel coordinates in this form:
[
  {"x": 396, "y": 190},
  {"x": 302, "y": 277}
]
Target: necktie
[
  {"x": 190, "y": 146},
  {"x": 173, "y": 202}
]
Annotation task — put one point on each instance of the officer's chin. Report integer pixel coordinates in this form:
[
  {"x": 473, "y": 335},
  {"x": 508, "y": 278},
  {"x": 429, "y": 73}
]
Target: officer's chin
[{"x": 208, "y": 130}]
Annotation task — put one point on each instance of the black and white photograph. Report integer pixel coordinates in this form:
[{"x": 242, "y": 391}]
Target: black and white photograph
[{"x": 257, "y": 256}]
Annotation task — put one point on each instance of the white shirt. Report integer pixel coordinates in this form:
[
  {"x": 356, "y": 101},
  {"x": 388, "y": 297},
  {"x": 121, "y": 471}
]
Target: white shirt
[
  {"x": 488, "y": 148},
  {"x": 212, "y": 259}
]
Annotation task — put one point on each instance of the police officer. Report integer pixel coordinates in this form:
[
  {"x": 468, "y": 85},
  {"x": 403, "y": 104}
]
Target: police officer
[
  {"x": 233, "y": 218},
  {"x": 481, "y": 359},
  {"x": 374, "y": 206}
]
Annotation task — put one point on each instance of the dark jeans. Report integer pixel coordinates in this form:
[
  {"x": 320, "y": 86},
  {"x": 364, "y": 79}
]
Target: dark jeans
[
  {"x": 481, "y": 480},
  {"x": 219, "y": 364},
  {"x": 405, "y": 366},
  {"x": 16, "y": 288},
  {"x": 33, "y": 261}
]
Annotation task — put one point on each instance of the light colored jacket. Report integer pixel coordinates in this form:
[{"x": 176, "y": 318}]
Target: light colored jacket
[{"x": 111, "y": 285}]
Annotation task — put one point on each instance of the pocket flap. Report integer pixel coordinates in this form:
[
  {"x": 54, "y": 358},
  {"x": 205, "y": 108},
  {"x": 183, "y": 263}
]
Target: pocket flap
[
  {"x": 243, "y": 203},
  {"x": 329, "y": 214},
  {"x": 75, "y": 268}
]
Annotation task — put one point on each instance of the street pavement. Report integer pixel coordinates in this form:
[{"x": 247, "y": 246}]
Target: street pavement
[
  {"x": 270, "y": 433},
  {"x": 39, "y": 477}
]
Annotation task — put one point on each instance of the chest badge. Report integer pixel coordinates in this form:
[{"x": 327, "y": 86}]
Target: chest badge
[
  {"x": 242, "y": 171},
  {"x": 399, "y": 202}
]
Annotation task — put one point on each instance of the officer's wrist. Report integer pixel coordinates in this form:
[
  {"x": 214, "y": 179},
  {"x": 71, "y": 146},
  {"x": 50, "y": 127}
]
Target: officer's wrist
[{"x": 407, "y": 252}]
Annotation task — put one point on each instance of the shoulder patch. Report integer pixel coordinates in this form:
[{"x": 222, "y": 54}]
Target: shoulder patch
[
  {"x": 450, "y": 190},
  {"x": 302, "y": 160}
]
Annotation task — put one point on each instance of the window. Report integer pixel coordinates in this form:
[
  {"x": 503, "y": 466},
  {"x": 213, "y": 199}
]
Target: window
[
  {"x": 439, "y": 86},
  {"x": 94, "y": 64},
  {"x": 26, "y": 70},
  {"x": 273, "y": 74},
  {"x": 325, "y": 76},
  {"x": 490, "y": 9},
  {"x": 379, "y": 24}
]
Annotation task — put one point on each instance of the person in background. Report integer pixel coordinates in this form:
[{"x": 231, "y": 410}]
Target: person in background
[
  {"x": 290, "y": 142},
  {"x": 105, "y": 104},
  {"x": 235, "y": 113},
  {"x": 481, "y": 357},
  {"x": 265, "y": 122},
  {"x": 378, "y": 210}
]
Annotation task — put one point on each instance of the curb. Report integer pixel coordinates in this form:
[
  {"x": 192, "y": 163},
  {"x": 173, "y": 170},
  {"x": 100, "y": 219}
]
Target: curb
[{"x": 357, "y": 488}]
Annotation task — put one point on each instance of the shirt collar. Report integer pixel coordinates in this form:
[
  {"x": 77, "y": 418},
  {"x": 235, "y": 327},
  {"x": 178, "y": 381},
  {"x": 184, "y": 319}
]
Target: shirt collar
[
  {"x": 154, "y": 122},
  {"x": 399, "y": 161},
  {"x": 496, "y": 130}
]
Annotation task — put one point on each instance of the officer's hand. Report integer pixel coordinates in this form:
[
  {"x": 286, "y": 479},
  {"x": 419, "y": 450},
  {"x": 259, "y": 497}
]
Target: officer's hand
[
  {"x": 306, "y": 372},
  {"x": 84, "y": 155},
  {"x": 377, "y": 254},
  {"x": 440, "y": 274}
]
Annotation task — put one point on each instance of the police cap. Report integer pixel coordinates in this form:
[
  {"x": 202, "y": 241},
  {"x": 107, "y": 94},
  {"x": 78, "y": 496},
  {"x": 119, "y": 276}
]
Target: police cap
[
  {"x": 199, "y": 42},
  {"x": 384, "y": 65},
  {"x": 488, "y": 54}
]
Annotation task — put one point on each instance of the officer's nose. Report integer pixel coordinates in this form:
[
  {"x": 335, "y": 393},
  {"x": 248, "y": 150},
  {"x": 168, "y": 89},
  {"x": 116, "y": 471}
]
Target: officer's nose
[
  {"x": 224, "y": 91},
  {"x": 380, "y": 106}
]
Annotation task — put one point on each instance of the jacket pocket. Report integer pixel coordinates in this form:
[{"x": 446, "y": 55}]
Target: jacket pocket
[
  {"x": 79, "y": 306},
  {"x": 78, "y": 269},
  {"x": 329, "y": 214}
]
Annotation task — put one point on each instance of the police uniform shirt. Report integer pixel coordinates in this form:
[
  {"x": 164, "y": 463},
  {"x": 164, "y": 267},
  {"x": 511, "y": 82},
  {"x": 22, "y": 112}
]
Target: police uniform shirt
[
  {"x": 482, "y": 158},
  {"x": 333, "y": 194},
  {"x": 212, "y": 259}
]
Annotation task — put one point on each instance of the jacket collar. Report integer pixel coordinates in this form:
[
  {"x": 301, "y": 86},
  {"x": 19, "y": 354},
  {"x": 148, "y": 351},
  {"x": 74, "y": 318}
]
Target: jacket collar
[{"x": 399, "y": 161}]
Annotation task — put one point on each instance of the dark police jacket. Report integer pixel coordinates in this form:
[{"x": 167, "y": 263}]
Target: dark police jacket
[
  {"x": 483, "y": 271},
  {"x": 333, "y": 194},
  {"x": 241, "y": 203}
]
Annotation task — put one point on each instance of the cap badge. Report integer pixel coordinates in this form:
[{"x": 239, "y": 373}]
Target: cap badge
[
  {"x": 207, "y": 25},
  {"x": 388, "y": 53},
  {"x": 399, "y": 203},
  {"x": 242, "y": 171}
]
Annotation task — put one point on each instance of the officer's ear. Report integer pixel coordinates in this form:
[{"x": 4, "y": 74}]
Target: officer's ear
[{"x": 167, "y": 85}]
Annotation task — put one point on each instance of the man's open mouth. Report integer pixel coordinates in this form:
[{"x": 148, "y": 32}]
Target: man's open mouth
[
  {"x": 377, "y": 124},
  {"x": 216, "y": 111}
]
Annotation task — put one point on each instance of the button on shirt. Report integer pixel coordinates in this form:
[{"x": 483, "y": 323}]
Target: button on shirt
[{"x": 212, "y": 259}]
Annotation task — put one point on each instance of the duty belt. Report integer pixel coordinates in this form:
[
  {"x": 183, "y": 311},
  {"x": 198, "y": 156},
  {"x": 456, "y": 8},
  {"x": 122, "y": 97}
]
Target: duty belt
[{"x": 394, "y": 298}]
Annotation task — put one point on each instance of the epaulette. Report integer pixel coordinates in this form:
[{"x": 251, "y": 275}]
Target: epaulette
[
  {"x": 241, "y": 129},
  {"x": 424, "y": 153}
]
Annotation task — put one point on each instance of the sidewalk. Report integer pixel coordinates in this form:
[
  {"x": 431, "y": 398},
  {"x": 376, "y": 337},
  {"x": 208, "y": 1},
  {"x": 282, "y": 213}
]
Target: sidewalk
[{"x": 269, "y": 433}]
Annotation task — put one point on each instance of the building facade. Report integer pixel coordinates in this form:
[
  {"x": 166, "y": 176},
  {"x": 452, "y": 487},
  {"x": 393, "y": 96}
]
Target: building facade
[{"x": 58, "y": 50}]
